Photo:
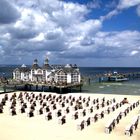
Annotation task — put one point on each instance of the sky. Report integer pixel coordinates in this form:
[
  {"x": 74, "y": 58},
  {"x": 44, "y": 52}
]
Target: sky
[{"x": 96, "y": 33}]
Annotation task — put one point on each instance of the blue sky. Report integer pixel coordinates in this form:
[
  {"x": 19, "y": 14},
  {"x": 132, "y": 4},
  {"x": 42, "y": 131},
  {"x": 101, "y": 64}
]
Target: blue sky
[
  {"x": 127, "y": 19},
  {"x": 85, "y": 32}
]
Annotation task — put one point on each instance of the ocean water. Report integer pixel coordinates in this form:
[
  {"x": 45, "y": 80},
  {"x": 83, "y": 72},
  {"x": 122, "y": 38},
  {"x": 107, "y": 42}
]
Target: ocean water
[
  {"x": 91, "y": 71},
  {"x": 131, "y": 87}
]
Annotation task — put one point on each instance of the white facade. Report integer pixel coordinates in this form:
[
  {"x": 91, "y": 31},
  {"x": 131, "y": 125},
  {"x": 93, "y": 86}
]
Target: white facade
[
  {"x": 47, "y": 74},
  {"x": 69, "y": 78}
]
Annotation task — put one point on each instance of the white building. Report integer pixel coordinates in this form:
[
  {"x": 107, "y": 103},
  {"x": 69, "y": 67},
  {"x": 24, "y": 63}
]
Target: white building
[
  {"x": 22, "y": 73},
  {"x": 56, "y": 74}
]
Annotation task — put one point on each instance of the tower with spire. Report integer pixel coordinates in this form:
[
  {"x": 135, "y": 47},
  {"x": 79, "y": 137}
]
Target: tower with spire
[
  {"x": 35, "y": 64},
  {"x": 46, "y": 61},
  {"x": 46, "y": 65}
]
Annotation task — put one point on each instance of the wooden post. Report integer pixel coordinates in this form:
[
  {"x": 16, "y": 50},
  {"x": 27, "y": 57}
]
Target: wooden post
[
  {"x": 15, "y": 87},
  {"x": 89, "y": 81},
  {"x": 42, "y": 88},
  {"x": 36, "y": 87},
  {"x": 80, "y": 88},
  {"x": 60, "y": 90},
  {"x": 49, "y": 88},
  {"x": 4, "y": 88},
  {"x": 30, "y": 87},
  {"x": 70, "y": 89},
  {"x": 25, "y": 87}
]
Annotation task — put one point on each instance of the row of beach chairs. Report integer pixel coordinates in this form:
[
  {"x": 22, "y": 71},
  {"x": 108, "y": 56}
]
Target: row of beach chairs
[
  {"x": 129, "y": 130},
  {"x": 99, "y": 115},
  {"x": 115, "y": 120}
]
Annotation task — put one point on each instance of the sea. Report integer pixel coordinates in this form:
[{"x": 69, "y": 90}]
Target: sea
[{"x": 130, "y": 87}]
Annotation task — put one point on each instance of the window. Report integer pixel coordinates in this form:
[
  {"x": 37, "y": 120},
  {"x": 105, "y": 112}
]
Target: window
[
  {"x": 62, "y": 77},
  {"x": 74, "y": 77},
  {"x": 33, "y": 71},
  {"x": 39, "y": 71}
]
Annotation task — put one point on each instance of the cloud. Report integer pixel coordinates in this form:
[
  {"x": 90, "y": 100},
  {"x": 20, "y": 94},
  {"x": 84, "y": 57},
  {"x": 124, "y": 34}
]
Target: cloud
[
  {"x": 8, "y": 12},
  {"x": 110, "y": 15},
  {"x": 62, "y": 31},
  {"x": 94, "y": 4},
  {"x": 106, "y": 45},
  {"x": 54, "y": 34},
  {"x": 138, "y": 10},
  {"x": 86, "y": 27},
  {"x": 134, "y": 52},
  {"x": 1, "y": 50},
  {"x": 38, "y": 38},
  {"x": 112, "y": 4},
  {"x": 69, "y": 13},
  {"x": 22, "y": 33},
  {"x": 119, "y": 44},
  {"x": 123, "y": 4}
]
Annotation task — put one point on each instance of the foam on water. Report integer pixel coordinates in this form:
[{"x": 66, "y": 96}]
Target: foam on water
[
  {"x": 127, "y": 88},
  {"x": 101, "y": 86}
]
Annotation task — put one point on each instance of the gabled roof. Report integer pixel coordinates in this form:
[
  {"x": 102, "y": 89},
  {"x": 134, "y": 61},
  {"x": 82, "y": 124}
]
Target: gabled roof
[
  {"x": 22, "y": 69},
  {"x": 67, "y": 70},
  {"x": 17, "y": 69},
  {"x": 35, "y": 66},
  {"x": 57, "y": 66},
  {"x": 70, "y": 70},
  {"x": 60, "y": 70},
  {"x": 47, "y": 67},
  {"x": 51, "y": 74},
  {"x": 23, "y": 66}
]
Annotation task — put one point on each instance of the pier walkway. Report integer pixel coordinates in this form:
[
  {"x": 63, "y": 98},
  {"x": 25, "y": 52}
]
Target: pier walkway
[{"x": 50, "y": 87}]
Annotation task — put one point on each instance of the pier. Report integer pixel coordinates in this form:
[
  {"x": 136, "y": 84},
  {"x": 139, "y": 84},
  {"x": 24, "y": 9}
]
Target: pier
[
  {"x": 101, "y": 77},
  {"x": 61, "y": 89}
]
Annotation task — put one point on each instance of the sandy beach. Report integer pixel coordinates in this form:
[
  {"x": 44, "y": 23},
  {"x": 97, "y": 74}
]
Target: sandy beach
[{"x": 23, "y": 127}]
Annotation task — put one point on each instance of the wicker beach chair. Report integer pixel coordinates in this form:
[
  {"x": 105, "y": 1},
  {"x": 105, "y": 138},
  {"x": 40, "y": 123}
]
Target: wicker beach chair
[
  {"x": 1, "y": 109},
  {"x": 75, "y": 116},
  {"x": 13, "y": 112},
  {"x": 40, "y": 111},
  {"x": 81, "y": 125},
  {"x": 48, "y": 116},
  {"x": 30, "y": 113},
  {"x": 88, "y": 121},
  {"x": 129, "y": 130},
  {"x": 62, "y": 120},
  {"x": 22, "y": 110},
  {"x": 59, "y": 113}
]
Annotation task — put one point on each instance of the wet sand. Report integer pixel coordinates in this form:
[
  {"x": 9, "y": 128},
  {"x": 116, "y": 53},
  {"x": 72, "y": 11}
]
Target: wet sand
[{"x": 22, "y": 127}]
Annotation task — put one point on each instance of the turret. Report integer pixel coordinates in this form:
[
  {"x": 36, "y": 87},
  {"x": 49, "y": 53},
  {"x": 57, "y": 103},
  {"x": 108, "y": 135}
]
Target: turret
[
  {"x": 46, "y": 64},
  {"x": 35, "y": 61},
  {"x": 46, "y": 61},
  {"x": 35, "y": 64}
]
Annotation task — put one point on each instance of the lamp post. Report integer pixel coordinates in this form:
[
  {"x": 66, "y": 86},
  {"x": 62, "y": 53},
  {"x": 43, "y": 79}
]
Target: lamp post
[{"x": 4, "y": 88}]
